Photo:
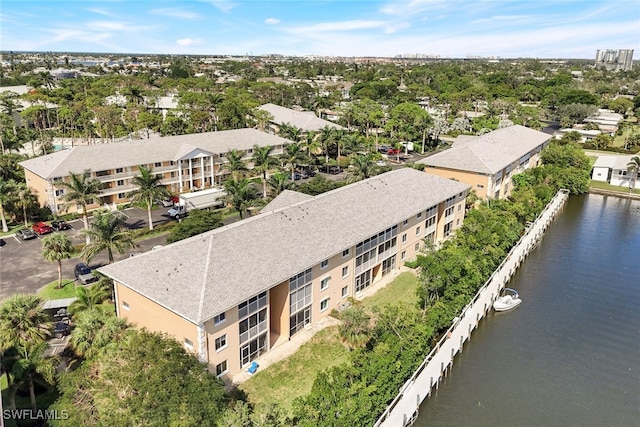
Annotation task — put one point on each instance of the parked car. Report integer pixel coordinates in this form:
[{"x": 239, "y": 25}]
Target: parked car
[
  {"x": 62, "y": 328},
  {"x": 393, "y": 152},
  {"x": 383, "y": 149},
  {"x": 26, "y": 234},
  {"x": 334, "y": 170},
  {"x": 59, "y": 225},
  {"x": 2, "y": 243},
  {"x": 165, "y": 203},
  {"x": 41, "y": 228},
  {"x": 84, "y": 274}
]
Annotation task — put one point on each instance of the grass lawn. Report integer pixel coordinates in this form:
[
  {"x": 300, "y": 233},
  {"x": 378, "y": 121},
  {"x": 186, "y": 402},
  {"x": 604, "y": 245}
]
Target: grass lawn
[
  {"x": 617, "y": 188},
  {"x": 50, "y": 292},
  {"x": 282, "y": 382}
]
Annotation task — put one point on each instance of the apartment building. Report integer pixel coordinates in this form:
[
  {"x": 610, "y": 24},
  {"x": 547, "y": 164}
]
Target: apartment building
[
  {"x": 614, "y": 59},
  {"x": 234, "y": 293},
  {"x": 488, "y": 162},
  {"x": 306, "y": 121},
  {"x": 186, "y": 163}
]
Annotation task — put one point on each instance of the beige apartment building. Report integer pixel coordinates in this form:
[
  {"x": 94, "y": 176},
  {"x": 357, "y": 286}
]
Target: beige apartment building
[
  {"x": 488, "y": 162},
  {"x": 234, "y": 293},
  {"x": 186, "y": 163}
]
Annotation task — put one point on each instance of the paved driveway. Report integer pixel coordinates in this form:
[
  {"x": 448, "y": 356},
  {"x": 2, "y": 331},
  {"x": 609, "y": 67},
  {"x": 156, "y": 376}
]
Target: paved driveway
[{"x": 24, "y": 270}]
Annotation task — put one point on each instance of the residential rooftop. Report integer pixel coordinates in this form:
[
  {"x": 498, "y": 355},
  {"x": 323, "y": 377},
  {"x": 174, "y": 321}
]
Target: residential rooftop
[
  {"x": 305, "y": 120},
  {"x": 205, "y": 275},
  {"x": 489, "y": 153}
]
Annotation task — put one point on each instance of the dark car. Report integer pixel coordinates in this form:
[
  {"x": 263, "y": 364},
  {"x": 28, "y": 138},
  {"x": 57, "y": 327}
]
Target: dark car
[
  {"x": 42, "y": 228},
  {"x": 59, "y": 225},
  {"x": 2, "y": 243},
  {"x": 84, "y": 274},
  {"x": 62, "y": 328},
  {"x": 26, "y": 234},
  {"x": 334, "y": 170}
]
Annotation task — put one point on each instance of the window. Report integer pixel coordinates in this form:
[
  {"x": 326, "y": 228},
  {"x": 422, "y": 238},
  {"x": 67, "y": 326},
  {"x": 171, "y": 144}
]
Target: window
[
  {"x": 419, "y": 215},
  {"x": 121, "y": 195},
  {"x": 458, "y": 221},
  {"x": 171, "y": 162},
  {"x": 221, "y": 368},
  {"x": 480, "y": 186},
  {"x": 345, "y": 253},
  {"x": 345, "y": 271},
  {"x": 459, "y": 208},
  {"x": 157, "y": 164},
  {"x": 102, "y": 173},
  {"x": 404, "y": 238},
  {"x": 125, "y": 305},
  {"x": 120, "y": 182},
  {"x": 405, "y": 222},
  {"x": 324, "y": 283},
  {"x": 188, "y": 343},
  {"x": 449, "y": 211},
  {"x": 57, "y": 179},
  {"x": 324, "y": 304},
  {"x": 252, "y": 350},
  {"x": 59, "y": 193},
  {"x": 218, "y": 319},
  {"x": 221, "y": 342},
  {"x": 418, "y": 231},
  {"x": 447, "y": 229},
  {"x": 252, "y": 305},
  {"x": 403, "y": 255},
  {"x": 345, "y": 291},
  {"x": 324, "y": 263},
  {"x": 119, "y": 170}
]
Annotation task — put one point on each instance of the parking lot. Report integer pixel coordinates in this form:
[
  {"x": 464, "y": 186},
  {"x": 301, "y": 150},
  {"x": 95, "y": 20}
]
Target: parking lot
[{"x": 24, "y": 270}]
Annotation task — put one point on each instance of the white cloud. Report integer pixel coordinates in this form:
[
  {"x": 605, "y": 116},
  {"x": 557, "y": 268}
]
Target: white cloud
[
  {"x": 272, "y": 21},
  {"x": 106, "y": 25},
  {"x": 175, "y": 13},
  {"x": 99, "y": 12},
  {"x": 223, "y": 5},
  {"x": 188, "y": 41},
  {"x": 323, "y": 27}
]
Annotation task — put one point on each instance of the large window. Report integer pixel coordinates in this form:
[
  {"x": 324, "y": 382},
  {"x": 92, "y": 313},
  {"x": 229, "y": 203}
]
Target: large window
[
  {"x": 221, "y": 342},
  {"x": 300, "y": 296},
  {"x": 252, "y": 305},
  {"x": 252, "y": 350},
  {"x": 253, "y": 325},
  {"x": 363, "y": 281},
  {"x": 221, "y": 368}
]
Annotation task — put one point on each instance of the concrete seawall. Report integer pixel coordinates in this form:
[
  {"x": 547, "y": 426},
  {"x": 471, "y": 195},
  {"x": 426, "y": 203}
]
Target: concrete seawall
[{"x": 403, "y": 410}]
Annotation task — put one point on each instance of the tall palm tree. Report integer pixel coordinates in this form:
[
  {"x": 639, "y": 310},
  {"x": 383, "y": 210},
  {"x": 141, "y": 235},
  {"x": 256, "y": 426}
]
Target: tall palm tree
[
  {"x": 326, "y": 138},
  {"x": 278, "y": 182},
  {"x": 24, "y": 199},
  {"x": 236, "y": 164},
  {"x": 262, "y": 163},
  {"x": 55, "y": 248},
  {"x": 355, "y": 330},
  {"x": 240, "y": 195},
  {"x": 89, "y": 297},
  {"x": 33, "y": 364},
  {"x": 633, "y": 167},
  {"x": 23, "y": 321},
  {"x": 149, "y": 189},
  {"x": 94, "y": 330},
  {"x": 6, "y": 190},
  {"x": 362, "y": 167},
  {"x": 107, "y": 232},
  {"x": 83, "y": 190},
  {"x": 293, "y": 156}
]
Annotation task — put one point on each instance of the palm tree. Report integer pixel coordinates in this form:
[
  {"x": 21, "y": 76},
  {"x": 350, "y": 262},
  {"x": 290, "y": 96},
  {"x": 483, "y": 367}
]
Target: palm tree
[
  {"x": 89, "y": 297},
  {"x": 633, "y": 167},
  {"x": 355, "y": 329},
  {"x": 107, "y": 232},
  {"x": 94, "y": 330},
  {"x": 326, "y": 139},
  {"x": 236, "y": 164},
  {"x": 25, "y": 198},
  {"x": 33, "y": 364},
  {"x": 362, "y": 167},
  {"x": 263, "y": 162},
  {"x": 240, "y": 195},
  {"x": 149, "y": 189},
  {"x": 278, "y": 182},
  {"x": 293, "y": 156},
  {"x": 23, "y": 321},
  {"x": 83, "y": 190},
  {"x": 55, "y": 248},
  {"x": 6, "y": 190},
  {"x": 290, "y": 132}
]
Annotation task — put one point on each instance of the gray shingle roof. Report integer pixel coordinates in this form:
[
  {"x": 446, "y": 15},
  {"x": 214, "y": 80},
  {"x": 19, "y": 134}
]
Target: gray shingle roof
[
  {"x": 305, "y": 120},
  {"x": 489, "y": 153},
  {"x": 286, "y": 198},
  {"x": 143, "y": 151},
  {"x": 205, "y": 275}
]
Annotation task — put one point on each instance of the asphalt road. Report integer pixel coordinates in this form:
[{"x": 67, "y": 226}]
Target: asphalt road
[{"x": 24, "y": 270}]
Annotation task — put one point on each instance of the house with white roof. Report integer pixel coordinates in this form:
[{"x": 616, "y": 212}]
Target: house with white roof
[
  {"x": 488, "y": 162},
  {"x": 234, "y": 293},
  {"x": 613, "y": 169},
  {"x": 185, "y": 162},
  {"x": 303, "y": 120}
]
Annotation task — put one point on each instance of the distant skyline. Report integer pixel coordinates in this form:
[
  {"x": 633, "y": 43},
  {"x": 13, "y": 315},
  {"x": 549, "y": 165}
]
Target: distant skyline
[{"x": 455, "y": 29}]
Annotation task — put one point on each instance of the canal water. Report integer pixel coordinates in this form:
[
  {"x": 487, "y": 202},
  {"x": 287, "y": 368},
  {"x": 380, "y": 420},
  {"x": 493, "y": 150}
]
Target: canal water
[{"x": 569, "y": 355}]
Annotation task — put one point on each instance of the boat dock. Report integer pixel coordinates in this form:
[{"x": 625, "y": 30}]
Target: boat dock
[{"x": 403, "y": 410}]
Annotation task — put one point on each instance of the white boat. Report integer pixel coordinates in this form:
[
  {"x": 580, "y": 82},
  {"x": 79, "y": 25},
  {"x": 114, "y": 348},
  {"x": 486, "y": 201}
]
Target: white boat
[{"x": 508, "y": 300}]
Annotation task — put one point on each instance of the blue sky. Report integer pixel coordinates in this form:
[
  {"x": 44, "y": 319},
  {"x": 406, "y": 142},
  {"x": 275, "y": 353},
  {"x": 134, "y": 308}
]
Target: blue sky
[{"x": 450, "y": 28}]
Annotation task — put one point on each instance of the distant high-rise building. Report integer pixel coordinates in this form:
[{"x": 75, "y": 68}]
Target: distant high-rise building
[{"x": 614, "y": 59}]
